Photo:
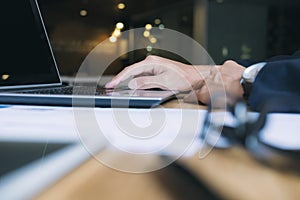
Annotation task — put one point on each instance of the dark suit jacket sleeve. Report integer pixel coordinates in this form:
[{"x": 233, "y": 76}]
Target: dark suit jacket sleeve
[{"x": 277, "y": 85}]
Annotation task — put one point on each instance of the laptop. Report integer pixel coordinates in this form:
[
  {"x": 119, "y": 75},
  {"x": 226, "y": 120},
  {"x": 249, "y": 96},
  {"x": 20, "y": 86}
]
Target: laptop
[{"x": 29, "y": 74}]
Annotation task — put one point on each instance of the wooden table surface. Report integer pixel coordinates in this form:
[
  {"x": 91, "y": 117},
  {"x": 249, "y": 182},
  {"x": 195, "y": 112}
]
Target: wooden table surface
[{"x": 229, "y": 174}]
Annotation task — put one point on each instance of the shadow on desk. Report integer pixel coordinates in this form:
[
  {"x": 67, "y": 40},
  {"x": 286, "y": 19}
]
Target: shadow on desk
[{"x": 181, "y": 184}]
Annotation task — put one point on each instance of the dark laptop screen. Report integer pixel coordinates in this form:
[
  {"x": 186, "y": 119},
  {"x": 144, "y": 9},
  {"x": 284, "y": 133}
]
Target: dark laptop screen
[{"x": 25, "y": 55}]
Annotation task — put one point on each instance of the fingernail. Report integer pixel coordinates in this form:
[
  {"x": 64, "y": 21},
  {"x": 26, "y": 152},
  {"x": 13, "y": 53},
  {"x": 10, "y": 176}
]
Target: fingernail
[{"x": 108, "y": 85}]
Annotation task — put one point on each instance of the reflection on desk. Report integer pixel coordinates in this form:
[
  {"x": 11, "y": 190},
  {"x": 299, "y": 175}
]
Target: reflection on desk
[
  {"x": 229, "y": 174},
  {"x": 223, "y": 174}
]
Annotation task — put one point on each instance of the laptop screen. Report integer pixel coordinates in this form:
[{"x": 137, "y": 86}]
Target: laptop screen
[{"x": 25, "y": 54}]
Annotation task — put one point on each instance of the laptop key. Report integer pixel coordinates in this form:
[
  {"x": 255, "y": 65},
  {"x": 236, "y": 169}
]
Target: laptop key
[{"x": 68, "y": 90}]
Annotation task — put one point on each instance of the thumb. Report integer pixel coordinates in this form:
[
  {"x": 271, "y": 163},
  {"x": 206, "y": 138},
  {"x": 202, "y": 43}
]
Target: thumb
[
  {"x": 191, "y": 97},
  {"x": 199, "y": 95},
  {"x": 147, "y": 82}
]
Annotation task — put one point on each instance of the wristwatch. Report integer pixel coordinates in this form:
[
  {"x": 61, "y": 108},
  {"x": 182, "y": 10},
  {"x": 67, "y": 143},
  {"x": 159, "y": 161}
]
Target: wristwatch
[{"x": 248, "y": 77}]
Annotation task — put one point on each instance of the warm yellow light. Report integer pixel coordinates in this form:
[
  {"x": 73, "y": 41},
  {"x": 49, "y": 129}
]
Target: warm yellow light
[
  {"x": 153, "y": 40},
  {"x": 148, "y": 27},
  {"x": 157, "y": 21},
  {"x": 83, "y": 13},
  {"x": 113, "y": 39},
  {"x": 120, "y": 25},
  {"x": 5, "y": 77},
  {"x": 121, "y": 6},
  {"x": 116, "y": 33},
  {"x": 146, "y": 33}
]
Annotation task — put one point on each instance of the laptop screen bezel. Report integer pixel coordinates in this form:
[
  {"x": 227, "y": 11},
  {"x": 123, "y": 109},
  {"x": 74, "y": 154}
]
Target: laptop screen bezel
[{"x": 40, "y": 25}]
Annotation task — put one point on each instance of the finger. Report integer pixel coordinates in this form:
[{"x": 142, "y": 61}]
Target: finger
[
  {"x": 136, "y": 69},
  {"x": 199, "y": 85},
  {"x": 201, "y": 95},
  {"x": 148, "y": 82},
  {"x": 192, "y": 96}
]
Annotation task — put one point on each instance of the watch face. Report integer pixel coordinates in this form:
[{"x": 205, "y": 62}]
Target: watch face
[{"x": 251, "y": 72}]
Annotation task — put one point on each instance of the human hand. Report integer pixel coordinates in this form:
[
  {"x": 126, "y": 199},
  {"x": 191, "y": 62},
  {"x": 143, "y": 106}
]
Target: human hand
[
  {"x": 223, "y": 79},
  {"x": 158, "y": 72},
  {"x": 203, "y": 80}
]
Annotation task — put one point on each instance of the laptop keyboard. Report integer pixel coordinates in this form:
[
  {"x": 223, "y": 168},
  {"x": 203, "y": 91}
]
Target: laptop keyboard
[{"x": 68, "y": 90}]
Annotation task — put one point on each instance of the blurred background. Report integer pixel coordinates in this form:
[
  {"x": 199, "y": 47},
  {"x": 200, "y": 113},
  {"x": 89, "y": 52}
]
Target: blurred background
[{"x": 228, "y": 29}]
